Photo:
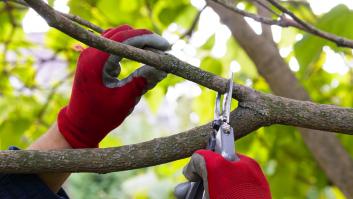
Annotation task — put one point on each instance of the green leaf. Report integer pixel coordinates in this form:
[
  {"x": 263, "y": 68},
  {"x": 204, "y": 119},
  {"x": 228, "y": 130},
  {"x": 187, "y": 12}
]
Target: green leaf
[
  {"x": 82, "y": 8},
  {"x": 51, "y": 2},
  {"x": 209, "y": 43},
  {"x": 308, "y": 50},
  {"x": 168, "y": 14}
]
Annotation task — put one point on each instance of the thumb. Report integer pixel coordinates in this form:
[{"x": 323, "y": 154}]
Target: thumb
[
  {"x": 150, "y": 75},
  {"x": 111, "y": 71}
]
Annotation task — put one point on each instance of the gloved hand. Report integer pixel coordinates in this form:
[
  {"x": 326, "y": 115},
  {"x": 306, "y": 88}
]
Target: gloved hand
[
  {"x": 223, "y": 179},
  {"x": 99, "y": 101}
]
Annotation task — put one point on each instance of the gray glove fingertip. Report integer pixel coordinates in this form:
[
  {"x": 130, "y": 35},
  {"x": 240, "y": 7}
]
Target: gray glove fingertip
[
  {"x": 149, "y": 40},
  {"x": 112, "y": 67},
  {"x": 181, "y": 190},
  {"x": 111, "y": 70},
  {"x": 152, "y": 75},
  {"x": 196, "y": 170}
]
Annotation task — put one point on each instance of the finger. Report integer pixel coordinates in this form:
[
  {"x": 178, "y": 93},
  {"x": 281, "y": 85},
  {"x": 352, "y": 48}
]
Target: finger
[
  {"x": 150, "y": 75},
  {"x": 195, "y": 170},
  {"x": 111, "y": 31},
  {"x": 142, "y": 38},
  {"x": 111, "y": 71},
  {"x": 181, "y": 190},
  {"x": 121, "y": 36}
]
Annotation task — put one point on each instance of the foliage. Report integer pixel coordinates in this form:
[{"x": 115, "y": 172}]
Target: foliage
[{"x": 34, "y": 87}]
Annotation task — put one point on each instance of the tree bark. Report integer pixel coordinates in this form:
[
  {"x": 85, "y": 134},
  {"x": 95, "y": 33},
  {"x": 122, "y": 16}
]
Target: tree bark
[
  {"x": 150, "y": 153},
  {"x": 327, "y": 149}
]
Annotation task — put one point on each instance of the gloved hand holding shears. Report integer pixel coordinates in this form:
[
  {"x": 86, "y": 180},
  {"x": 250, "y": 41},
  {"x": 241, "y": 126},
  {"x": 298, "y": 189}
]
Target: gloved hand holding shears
[{"x": 220, "y": 173}]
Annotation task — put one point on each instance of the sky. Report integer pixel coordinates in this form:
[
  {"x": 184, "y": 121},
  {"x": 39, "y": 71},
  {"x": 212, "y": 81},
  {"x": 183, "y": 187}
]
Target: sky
[{"x": 208, "y": 25}]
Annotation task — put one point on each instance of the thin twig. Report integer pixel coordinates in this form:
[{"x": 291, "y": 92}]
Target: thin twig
[
  {"x": 264, "y": 10},
  {"x": 287, "y": 22},
  {"x": 150, "y": 15},
  {"x": 74, "y": 18},
  {"x": 189, "y": 32},
  {"x": 51, "y": 94},
  {"x": 340, "y": 41},
  {"x": 266, "y": 7},
  {"x": 244, "y": 13},
  {"x": 8, "y": 40},
  {"x": 291, "y": 14},
  {"x": 83, "y": 22}
]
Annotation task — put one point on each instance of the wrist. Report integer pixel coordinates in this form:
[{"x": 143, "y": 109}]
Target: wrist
[
  {"x": 52, "y": 139},
  {"x": 77, "y": 133}
]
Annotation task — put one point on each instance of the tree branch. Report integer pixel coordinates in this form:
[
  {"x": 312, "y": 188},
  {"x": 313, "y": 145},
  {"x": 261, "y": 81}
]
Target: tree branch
[
  {"x": 255, "y": 110},
  {"x": 150, "y": 153},
  {"x": 287, "y": 22},
  {"x": 74, "y": 18},
  {"x": 340, "y": 41},
  {"x": 127, "y": 157},
  {"x": 191, "y": 29}
]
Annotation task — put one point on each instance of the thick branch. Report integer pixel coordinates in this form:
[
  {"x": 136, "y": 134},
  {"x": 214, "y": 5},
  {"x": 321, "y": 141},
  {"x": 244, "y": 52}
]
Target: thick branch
[
  {"x": 127, "y": 157},
  {"x": 154, "y": 152},
  {"x": 305, "y": 114}
]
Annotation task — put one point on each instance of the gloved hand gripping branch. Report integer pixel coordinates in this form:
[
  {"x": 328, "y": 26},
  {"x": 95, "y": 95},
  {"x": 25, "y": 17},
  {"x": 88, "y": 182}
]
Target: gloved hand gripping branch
[
  {"x": 143, "y": 39},
  {"x": 99, "y": 101}
]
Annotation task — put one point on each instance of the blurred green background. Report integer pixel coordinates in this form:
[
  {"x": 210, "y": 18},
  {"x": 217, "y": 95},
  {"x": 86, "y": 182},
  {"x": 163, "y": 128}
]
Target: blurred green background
[{"x": 37, "y": 64}]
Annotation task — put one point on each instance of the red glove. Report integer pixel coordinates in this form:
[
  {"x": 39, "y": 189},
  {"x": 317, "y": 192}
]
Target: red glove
[
  {"x": 223, "y": 179},
  {"x": 99, "y": 101}
]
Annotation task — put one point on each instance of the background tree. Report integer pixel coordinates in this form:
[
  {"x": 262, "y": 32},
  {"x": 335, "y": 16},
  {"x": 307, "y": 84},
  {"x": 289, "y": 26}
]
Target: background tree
[{"x": 290, "y": 62}]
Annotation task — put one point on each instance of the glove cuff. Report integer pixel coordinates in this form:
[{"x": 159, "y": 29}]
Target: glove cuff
[{"x": 73, "y": 135}]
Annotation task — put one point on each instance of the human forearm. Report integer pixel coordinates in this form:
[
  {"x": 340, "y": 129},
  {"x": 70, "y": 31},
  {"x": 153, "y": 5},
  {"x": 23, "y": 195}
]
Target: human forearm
[{"x": 52, "y": 139}]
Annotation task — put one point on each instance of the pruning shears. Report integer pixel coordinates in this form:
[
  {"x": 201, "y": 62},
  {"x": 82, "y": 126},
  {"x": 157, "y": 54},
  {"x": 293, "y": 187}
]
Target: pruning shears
[{"x": 221, "y": 139}]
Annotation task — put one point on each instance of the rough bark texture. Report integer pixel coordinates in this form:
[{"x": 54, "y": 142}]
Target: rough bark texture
[
  {"x": 326, "y": 149},
  {"x": 150, "y": 153},
  {"x": 134, "y": 156}
]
